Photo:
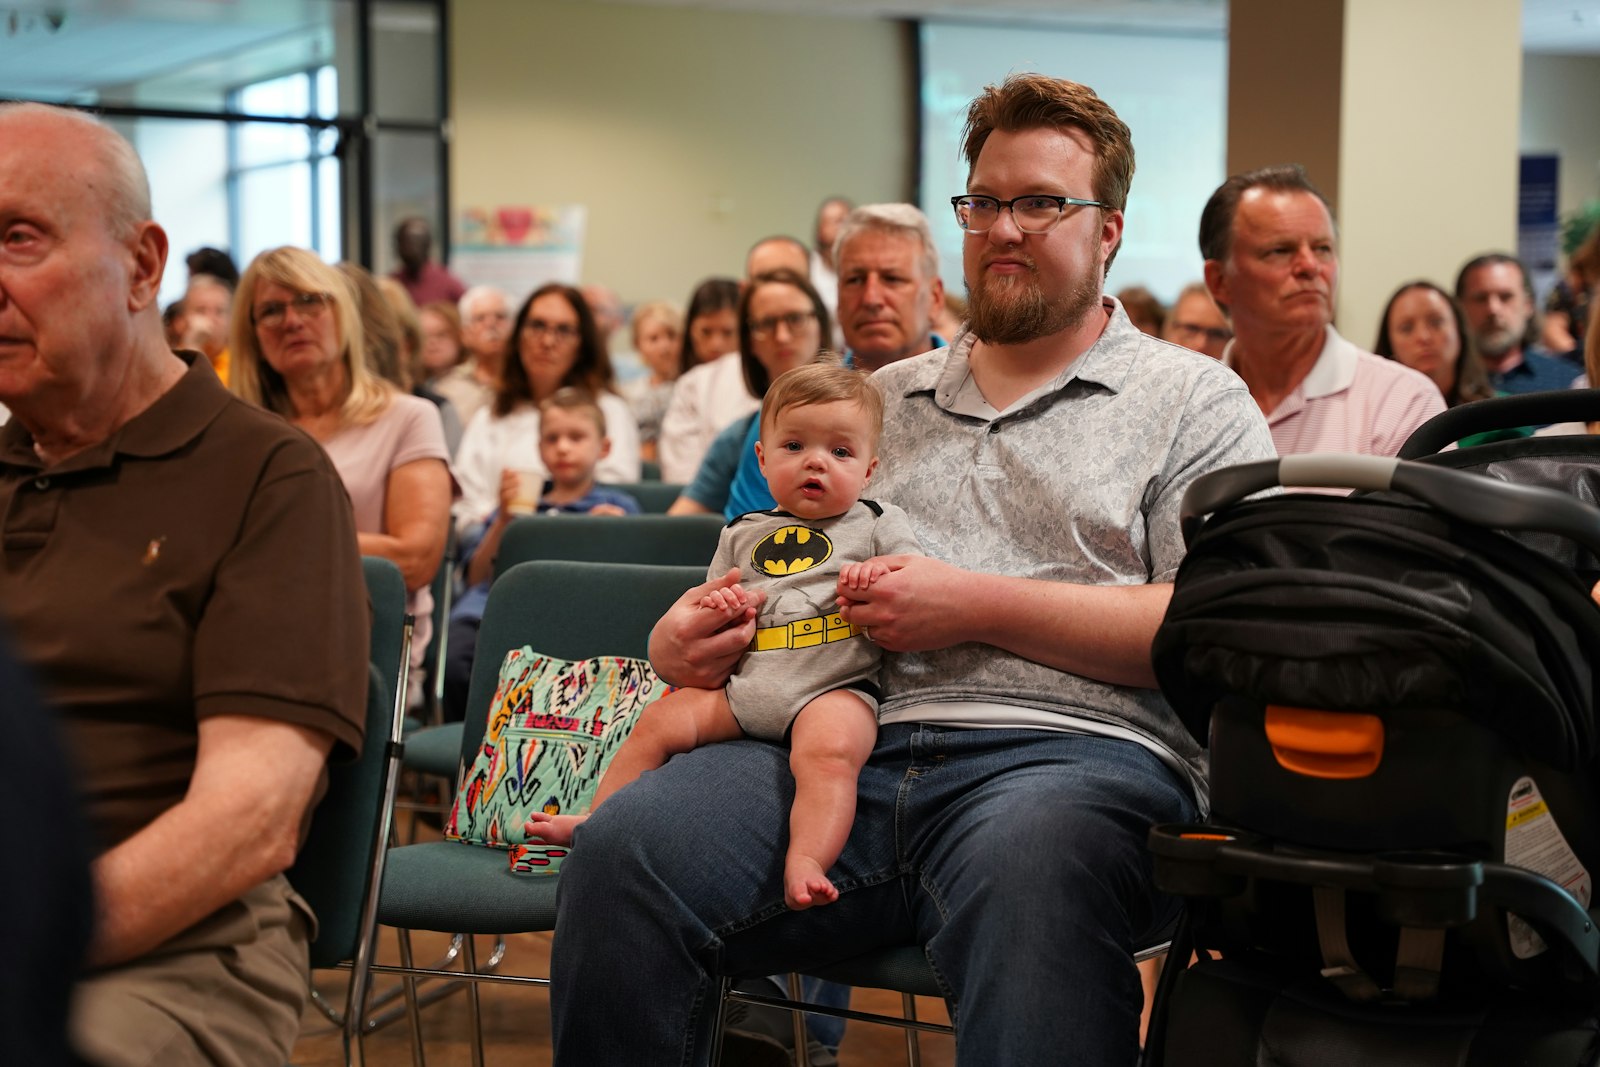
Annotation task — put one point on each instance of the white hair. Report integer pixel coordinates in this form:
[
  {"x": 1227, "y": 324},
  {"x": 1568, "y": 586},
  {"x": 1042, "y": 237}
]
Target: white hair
[
  {"x": 477, "y": 293},
  {"x": 904, "y": 220}
]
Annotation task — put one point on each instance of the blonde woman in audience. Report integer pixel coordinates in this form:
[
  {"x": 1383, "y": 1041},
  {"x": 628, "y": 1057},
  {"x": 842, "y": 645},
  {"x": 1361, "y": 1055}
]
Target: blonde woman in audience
[
  {"x": 406, "y": 318},
  {"x": 390, "y": 345},
  {"x": 441, "y": 339},
  {"x": 299, "y": 349},
  {"x": 711, "y": 392},
  {"x": 554, "y": 344},
  {"x": 657, "y": 329}
]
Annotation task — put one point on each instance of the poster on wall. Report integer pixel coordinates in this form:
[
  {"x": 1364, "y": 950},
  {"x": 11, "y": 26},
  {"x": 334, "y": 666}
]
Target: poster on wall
[{"x": 519, "y": 247}]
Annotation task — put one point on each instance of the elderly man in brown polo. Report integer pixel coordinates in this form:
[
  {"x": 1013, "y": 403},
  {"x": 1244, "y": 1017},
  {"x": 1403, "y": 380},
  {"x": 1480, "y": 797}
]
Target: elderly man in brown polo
[{"x": 180, "y": 571}]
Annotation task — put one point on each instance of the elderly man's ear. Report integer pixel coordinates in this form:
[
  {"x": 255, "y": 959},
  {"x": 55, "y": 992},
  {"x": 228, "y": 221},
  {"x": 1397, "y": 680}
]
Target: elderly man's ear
[{"x": 148, "y": 261}]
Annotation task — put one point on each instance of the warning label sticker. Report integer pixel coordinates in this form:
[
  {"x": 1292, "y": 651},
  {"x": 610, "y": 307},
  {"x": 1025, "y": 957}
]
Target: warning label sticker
[{"x": 1535, "y": 842}]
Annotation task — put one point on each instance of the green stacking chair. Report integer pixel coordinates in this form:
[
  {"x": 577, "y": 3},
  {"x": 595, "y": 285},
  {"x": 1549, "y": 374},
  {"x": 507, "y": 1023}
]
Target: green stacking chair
[
  {"x": 386, "y": 589},
  {"x": 445, "y": 886},
  {"x": 663, "y": 540},
  {"x": 654, "y": 497},
  {"x": 341, "y": 863}
]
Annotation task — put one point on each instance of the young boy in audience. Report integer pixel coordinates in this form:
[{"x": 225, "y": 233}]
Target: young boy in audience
[
  {"x": 809, "y": 677},
  {"x": 572, "y": 441}
]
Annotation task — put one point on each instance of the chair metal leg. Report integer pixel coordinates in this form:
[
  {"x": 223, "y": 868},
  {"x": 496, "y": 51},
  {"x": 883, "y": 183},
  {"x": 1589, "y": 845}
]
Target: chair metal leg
[
  {"x": 377, "y": 1020},
  {"x": 913, "y": 1048},
  {"x": 413, "y": 1011},
  {"x": 474, "y": 1009},
  {"x": 719, "y": 1020},
  {"x": 802, "y": 1044}
]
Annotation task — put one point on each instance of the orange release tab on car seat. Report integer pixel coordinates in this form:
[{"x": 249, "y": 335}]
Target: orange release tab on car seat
[{"x": 1325, "y": 744}]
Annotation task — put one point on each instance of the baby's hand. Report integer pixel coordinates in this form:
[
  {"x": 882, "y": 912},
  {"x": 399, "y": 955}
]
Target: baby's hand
[
  {"x": 1595, "y": 592},
  {"x": 858, "y": 576},
  {"x": 606, "y": 509},
  {"x": 552, "y": 829},
  {"x": 729, "y": 600}
]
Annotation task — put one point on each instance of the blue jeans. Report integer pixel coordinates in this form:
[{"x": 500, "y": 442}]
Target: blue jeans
[{"x": 1016, "y": 856}]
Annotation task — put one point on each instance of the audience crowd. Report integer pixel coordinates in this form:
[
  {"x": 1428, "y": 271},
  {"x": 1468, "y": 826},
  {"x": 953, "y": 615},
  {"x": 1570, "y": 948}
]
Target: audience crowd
[{"x": 430, "y": 406}]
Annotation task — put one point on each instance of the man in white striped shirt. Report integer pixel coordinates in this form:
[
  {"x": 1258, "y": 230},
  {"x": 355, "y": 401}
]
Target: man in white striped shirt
[{"x": 1272, "y": 266}]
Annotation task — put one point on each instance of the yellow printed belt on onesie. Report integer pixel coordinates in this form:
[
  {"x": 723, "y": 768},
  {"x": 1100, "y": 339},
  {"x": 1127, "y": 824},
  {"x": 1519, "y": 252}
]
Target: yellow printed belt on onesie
[{"x": 804, "y": 633}]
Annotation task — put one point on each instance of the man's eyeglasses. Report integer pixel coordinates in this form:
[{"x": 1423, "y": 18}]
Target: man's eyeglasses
[
  {"x": 1033, "y": 214},
  {"x": 794, "y": 320},
  {"x": 1215, "y": 334},
  {"x": 561, "y": 331},
  {"x": 306, "y": 306}
]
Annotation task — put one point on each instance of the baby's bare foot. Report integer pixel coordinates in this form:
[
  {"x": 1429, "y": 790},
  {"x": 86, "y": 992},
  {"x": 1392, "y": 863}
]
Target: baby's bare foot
[
  {"x": 805, "y": 884},
  {"x": 552, "y": 829}
]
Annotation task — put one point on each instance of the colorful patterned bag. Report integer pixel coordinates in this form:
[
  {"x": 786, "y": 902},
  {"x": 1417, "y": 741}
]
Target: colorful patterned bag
[{"x": 553, "y": 727}]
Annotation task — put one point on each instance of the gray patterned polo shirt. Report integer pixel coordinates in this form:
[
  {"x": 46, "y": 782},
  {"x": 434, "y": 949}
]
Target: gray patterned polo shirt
[{"x": 1079, "y": 481}]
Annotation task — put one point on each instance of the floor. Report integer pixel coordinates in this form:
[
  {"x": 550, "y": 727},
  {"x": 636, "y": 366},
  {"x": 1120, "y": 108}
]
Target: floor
[
  {"x": 516, "y": 1019},
  {"x": 517, "y": 1025}
]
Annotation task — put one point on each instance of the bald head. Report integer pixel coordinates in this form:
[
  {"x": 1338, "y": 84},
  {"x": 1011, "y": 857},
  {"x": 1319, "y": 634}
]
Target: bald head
[
  {"x": 777, "y": 253},
  {"x": 83, "y": 346},
  {"x": 117, "y": 180}
]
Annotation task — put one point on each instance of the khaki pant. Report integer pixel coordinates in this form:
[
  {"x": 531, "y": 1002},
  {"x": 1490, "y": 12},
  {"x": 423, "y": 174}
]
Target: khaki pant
[{"x": 227, "y": 992}]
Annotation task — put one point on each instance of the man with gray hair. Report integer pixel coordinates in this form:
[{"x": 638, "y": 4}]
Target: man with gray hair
[
  {"x": 485, "y": 327},
  {"x": 889, "y": 284},
  {"x": 182, "y": 576}
]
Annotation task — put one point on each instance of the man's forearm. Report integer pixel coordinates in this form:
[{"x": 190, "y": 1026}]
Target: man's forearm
[
  {"x": 1098, "y": 631},
  {"x": 238, "y": 826}
]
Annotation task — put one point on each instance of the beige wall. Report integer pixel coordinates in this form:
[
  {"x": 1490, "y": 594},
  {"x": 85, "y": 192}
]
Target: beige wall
[
  {"x": 1283, "y": 87},
  {"x": 688, "y": 133},
  {"x": 1559, "y": 95},
  {"x": 1428, "y": 145}
]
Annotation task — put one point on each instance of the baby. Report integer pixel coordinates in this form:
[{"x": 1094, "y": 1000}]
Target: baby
[{"x": 809, "y": 676}]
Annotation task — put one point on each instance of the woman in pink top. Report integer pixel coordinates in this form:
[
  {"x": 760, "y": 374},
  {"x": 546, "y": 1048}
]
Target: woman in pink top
[{"x": 298, "y": 351}]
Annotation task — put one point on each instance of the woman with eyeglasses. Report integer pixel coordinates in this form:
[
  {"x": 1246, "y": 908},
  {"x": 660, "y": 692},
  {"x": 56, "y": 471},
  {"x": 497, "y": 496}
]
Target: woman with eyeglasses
[
  {"x": 783, "y": 324},
  {"x": 299, "y": 350},
  {"x": 553, "y": 344}
]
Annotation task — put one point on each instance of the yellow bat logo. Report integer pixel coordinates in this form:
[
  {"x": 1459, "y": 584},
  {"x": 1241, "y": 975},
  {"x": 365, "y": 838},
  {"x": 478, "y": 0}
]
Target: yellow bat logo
[{"x": 791, "y": 550}]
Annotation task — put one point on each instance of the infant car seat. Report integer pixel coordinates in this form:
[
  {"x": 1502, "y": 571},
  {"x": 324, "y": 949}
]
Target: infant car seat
[{"x": 1396, "y": 689}]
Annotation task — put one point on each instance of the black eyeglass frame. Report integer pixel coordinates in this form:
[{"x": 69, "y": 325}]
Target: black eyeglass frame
[{"x": 1062, "y": 203}]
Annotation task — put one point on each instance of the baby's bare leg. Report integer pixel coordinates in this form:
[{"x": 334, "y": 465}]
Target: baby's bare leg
[
  {"x": 678, "y": 722},
  {"x": 831, "y": 739}
]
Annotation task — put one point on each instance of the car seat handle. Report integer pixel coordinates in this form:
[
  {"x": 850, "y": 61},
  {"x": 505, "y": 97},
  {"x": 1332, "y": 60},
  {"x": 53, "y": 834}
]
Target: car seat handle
[
  {"x": 1501, "y": 413},
  {"x": 1474, "y": 498}
]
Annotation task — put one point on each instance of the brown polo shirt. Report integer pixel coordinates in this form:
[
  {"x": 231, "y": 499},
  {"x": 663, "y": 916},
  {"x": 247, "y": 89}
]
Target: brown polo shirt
[{"x": 201, "y": 561}]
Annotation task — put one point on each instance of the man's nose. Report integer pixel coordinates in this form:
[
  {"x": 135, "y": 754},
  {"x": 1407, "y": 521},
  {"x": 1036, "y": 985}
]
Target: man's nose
[
  {"x": 1005, "y": 229},
  {"x": 872, "y": 291}
]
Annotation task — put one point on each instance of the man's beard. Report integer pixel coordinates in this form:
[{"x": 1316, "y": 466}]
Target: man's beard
[
  {"x": 1013, "y": 309},
  {"x": 1494, "y": 343}
]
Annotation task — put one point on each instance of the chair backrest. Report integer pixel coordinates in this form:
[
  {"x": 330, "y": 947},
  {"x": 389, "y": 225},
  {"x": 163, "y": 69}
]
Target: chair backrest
[
  {"x": 443, "y": 588},
  {"x": 654, "y": 497},
  {"x": 336, "y": 863},
  {"x": 650, "y": 471},
  {"x": 661, "y": 540},
  {"x": 571, "y": 610},
  {"x": 387, "y": 591}
]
